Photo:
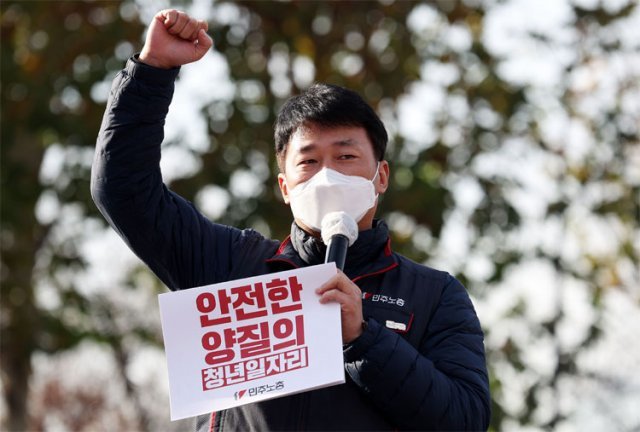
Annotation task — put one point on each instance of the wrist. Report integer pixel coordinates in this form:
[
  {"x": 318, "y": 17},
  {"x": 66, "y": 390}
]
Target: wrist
[
  {"x": 363, "y": 327},
  {"x": 143, "y": 72},
  {"x": 150, "y": 60}
]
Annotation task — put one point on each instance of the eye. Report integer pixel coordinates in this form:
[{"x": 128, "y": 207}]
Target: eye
[
  {"x": 307, "y": 162},
  {"x": 346, "y": 157}
]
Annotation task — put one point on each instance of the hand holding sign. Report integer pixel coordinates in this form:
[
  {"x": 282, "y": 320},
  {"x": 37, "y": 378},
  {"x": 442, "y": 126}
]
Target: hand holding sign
[{"x": 341, "y": 290}]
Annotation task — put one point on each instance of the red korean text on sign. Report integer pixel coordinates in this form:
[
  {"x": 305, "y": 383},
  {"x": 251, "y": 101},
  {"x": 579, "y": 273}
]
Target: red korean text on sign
[
  {"x": 219, "y": 347},
  {"x": 224, "y": 343},
  {"x": 289, "y": 331},
  {"x": 246, "y": 301},
  {"x": 206, "y": 304},
  {"x": 247, "y": 370},
  {"x": 252, "y": 340},
  {"x": 284, "y": 295}
]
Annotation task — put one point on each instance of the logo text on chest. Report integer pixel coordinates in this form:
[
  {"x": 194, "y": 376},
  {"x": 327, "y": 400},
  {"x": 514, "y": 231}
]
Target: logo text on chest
[{"x": 382, "y": 299}]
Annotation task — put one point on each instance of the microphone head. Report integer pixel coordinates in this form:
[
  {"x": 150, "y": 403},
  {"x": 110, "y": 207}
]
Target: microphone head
[{"x": 339, "y": 223}]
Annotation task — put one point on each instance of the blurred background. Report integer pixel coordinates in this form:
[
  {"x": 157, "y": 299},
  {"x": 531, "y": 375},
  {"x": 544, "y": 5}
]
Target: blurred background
[{"x": 515, "y": 160}]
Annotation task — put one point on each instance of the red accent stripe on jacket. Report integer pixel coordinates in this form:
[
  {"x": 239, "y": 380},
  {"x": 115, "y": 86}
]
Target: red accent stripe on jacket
[
  {"x": 384, "y": 270},
  {"x": 212, "y": 422}
]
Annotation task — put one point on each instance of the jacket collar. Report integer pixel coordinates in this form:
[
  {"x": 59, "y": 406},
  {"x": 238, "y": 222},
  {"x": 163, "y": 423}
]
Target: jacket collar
[{"x": 370, "y": 254}]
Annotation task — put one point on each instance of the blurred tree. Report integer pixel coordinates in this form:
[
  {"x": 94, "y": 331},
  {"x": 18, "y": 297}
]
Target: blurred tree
[{"x": 53, "y": 54}]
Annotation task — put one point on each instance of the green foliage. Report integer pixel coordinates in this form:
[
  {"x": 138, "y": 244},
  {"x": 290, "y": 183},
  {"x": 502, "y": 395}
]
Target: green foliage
[{"x": 53, "y": 53}]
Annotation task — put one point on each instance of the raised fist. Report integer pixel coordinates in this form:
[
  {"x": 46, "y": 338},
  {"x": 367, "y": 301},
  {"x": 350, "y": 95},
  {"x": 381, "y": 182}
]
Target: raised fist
[{"x": 175, "y": 39}]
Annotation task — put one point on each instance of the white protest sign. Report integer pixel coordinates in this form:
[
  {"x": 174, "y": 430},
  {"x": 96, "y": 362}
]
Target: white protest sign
[{"x": 248, "y": 340}]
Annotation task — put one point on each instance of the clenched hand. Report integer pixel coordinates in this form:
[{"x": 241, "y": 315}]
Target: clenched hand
[{"x": 175, "y": 39}]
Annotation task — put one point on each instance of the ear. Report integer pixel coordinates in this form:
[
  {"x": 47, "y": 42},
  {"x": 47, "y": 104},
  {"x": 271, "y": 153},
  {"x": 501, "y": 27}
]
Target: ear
[
  {"x": 382, "y": 182},
  {"x": 284, "y": 189}
]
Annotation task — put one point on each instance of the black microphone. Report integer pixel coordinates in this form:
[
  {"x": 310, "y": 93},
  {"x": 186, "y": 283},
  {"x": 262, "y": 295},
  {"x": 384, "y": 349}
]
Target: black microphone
[
  {"x": 339, "y": 231},
  {"x": 337, "y": 250}
]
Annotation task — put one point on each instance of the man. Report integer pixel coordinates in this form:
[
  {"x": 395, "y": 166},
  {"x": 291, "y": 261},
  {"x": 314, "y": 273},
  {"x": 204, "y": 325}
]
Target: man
[{"x": 413, "y": 347}]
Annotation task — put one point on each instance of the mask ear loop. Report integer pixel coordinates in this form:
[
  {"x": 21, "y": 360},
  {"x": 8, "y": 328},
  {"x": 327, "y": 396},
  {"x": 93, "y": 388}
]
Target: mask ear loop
[
  {"x": 375, "y": 176},
  {"x": 377, "y": 172}
]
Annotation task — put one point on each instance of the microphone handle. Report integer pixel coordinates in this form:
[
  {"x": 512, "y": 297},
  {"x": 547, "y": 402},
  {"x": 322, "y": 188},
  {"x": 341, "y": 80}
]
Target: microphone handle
[{"x": 337, "y": 250}]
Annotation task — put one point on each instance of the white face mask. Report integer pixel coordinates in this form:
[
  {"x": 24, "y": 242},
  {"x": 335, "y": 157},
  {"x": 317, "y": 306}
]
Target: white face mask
[{"x": 330, "y": 191}]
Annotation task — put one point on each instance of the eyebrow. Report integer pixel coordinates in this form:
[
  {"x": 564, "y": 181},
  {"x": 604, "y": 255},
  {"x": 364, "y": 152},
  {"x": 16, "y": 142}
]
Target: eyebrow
[{"x": 308, "y": 148}]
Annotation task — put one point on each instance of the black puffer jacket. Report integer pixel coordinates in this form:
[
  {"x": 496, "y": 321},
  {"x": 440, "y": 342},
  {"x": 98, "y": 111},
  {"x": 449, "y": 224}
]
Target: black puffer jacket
[{"x": 420, "y": 363}]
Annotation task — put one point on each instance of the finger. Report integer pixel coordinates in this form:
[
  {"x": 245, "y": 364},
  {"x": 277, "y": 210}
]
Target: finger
[
  {"x": 332, "y": 285},
  {"x": 336, "y": 296},
  {"x": 341, "y": 282},
  {"x": 190, "y": 30},
  {"x": 200, "y": 25},
  {"x": 179, "y": 24},
  {"x": 353, "y": 292},
  {"x": 168, "y": 17},
  {"x": 328, "y": 285},
  {"x": 204, "y": 43}
]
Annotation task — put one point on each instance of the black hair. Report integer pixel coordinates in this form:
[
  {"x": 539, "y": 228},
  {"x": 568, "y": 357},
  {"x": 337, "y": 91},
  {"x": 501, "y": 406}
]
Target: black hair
[{"x": 327, "y": 105}]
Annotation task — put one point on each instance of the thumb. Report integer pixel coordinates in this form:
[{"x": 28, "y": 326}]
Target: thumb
[{"x": 203, "y": 43}]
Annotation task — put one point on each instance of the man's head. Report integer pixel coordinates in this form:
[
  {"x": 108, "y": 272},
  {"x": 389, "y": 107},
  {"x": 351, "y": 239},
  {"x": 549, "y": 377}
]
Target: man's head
[
  {"x": 327, "y": 106},
  {"x": 329, "y": 127}
]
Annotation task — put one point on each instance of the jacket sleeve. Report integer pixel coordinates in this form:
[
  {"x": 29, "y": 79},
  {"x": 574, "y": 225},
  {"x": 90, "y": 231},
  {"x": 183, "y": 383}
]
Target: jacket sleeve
[
  {"x": 179, "y": 244},
  {"x": 443, "y": 385}
]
